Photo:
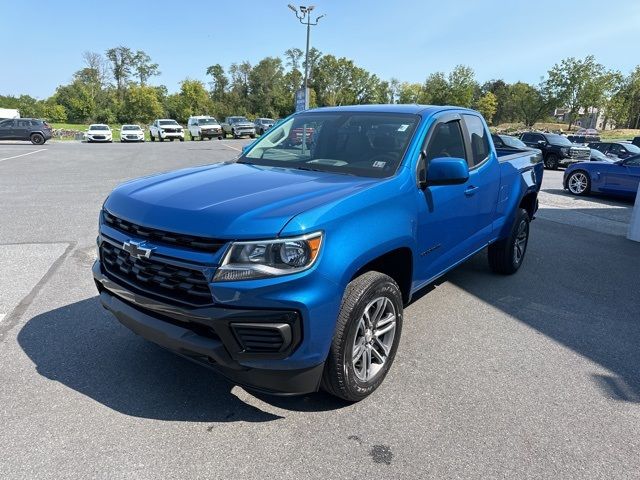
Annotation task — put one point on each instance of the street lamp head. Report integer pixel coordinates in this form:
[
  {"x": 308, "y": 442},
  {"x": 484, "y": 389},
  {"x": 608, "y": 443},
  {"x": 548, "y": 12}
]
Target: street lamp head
[
  {"x": 310, "y": 7},
  {"x": 303, "y": 9},
  {"x": 292, "y": 8},
  {"x": 320, "y": 17}
]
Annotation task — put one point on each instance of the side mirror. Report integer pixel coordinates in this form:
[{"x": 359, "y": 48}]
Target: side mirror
[
  {"x": 447, "y": 171},
  {"x": 542, "y": 143}
]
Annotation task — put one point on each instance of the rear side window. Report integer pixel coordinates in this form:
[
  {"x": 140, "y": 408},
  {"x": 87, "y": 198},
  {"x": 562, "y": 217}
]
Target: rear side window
[
  {"x": 447, "y": 141},
  {"x": 479, "y": 140}
]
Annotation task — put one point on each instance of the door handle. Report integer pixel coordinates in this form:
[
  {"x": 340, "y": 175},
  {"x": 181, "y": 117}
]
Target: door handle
[{"x": 470, "y": 190}]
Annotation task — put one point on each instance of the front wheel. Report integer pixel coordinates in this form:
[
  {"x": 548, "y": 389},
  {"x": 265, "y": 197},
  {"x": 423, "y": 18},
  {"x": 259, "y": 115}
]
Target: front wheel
[
  {"x": 152, "y": 138},
  {"x": 579, "y": 183},
  {"x": 506, "y": 256},
  {"x": 366, "y": 337}
]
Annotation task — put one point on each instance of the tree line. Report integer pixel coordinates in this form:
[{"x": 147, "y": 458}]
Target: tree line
[{"x": 114, "y": 88}]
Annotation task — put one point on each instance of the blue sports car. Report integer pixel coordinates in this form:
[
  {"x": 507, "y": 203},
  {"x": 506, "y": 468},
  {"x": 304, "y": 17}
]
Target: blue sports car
[{"x": 619, "y": 178}]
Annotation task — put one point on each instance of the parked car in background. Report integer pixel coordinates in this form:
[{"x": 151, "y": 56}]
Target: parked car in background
[
  {"x": 620, "y": 178},
  {"x": 583, "y": 139},
  {"x": 508, "y": 141},
  {"x": 204, "y": 126},
  {"x": 263, "y": 124},
  {"x": 288, "y": 269},
  {"x": 556, "y": 150},
  {"x": 166, "y": 129},
  {"x": 99, "y": 132},
  {"x": 131, "y": 133},
  {"x": 28, "y": 129},
  {"x": 616, "y": 150},
  {"x": 238, "y": 127},
  {"x": 636, "y": 141},
  {"x": 598, "y": 156}
]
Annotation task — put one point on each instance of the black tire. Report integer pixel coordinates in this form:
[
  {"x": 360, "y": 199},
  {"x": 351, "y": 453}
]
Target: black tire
[
  {"x": 506, "y": 256},
  {"x": 233, "y": 133},
  {"x": 340, "y": 377},
  {"x": 551, "y": 162},
  {"x": 152, "y": 138},
  {"x": 182, "y": 139},
  {"x": 253, "y": 135},
  {"x": 220, "y": 137},
  {"x": 579, "y": 183},
  {"x": 37, "y": 139},
  {"x": 160, "y": 139},
  {"x": 192, "y": 137}
]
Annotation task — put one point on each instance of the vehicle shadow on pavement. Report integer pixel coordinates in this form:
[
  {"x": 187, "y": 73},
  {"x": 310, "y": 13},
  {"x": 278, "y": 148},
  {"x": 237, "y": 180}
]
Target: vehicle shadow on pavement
[
  {"x": 579, "y": 288},
  {"x": 83, "y": 347}
]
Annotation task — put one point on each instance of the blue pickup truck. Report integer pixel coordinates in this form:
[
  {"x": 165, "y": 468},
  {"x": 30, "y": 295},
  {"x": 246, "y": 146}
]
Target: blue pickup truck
[{"x": 287, "y": 268}]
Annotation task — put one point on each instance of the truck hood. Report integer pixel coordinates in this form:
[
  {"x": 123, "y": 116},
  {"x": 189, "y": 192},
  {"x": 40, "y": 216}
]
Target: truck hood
[{"x": 230, "y": 200}]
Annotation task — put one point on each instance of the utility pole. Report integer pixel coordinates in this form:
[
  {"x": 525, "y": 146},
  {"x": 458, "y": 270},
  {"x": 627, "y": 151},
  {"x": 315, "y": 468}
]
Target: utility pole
[{"x": 303, "y": 14}]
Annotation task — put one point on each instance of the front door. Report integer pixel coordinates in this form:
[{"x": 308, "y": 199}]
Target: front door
[
  {"x": 448, "y": 215},
  {"x": 6, "y": 129}
]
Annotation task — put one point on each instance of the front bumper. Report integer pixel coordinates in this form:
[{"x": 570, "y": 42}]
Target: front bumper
[
  {"x": 209, "y": 336},
  {"x": 99, "y": 138},
  {"x": 172, "y": 134}
]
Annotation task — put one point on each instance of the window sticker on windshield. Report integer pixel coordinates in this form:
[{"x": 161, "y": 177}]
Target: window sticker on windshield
[
  {"x": 379, "y": 164},
  {"x": 403, "y": 128}
]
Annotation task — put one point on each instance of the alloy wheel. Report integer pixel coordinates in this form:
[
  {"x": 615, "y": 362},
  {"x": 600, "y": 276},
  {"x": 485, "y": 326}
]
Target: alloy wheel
[{"x": 373, "y": 340}]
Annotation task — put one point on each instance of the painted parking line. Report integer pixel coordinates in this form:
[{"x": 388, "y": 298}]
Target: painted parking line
[
  {"x": 232, "y": 148},
  {"x": 22, "y": 155}
]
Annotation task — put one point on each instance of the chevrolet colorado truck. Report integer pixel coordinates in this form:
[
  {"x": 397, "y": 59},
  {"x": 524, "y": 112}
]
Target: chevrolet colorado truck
[{"x": 287, "y": 268}]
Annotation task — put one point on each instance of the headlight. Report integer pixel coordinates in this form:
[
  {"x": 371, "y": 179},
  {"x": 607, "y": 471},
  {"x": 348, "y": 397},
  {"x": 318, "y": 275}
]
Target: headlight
[
  {"x": 269, "y": 258},
  {"x": 565, "y": 151}
]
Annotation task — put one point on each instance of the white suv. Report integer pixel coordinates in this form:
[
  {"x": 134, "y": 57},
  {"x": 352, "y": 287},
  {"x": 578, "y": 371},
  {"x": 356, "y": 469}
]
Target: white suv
[{"x": 203, "y": 126}]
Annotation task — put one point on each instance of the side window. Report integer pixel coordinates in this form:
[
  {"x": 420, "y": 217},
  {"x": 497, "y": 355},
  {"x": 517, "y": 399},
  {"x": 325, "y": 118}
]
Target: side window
[
  {"x": 447, "y": 141},
  {"x": 633, "y": 162},
  {"x": 479, "y": 141},
  {"x": 6, "y": 123}
]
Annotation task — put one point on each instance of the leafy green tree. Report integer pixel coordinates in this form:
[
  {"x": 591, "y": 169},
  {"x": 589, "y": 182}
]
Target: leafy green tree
[
  {"x": 54, "y": 112},
  {"x": 141, "y": 104},
  {"x": 144, "y": 67},
  {"x": 122, "y": 65},
  {"x": 219, "y": 83},
  {"x": 462, "y": 86},
  {"x": 576, "y": 83},
  {"x": 268, "y": 94},
  {"x": 435, "y": 91},
  {"x": 192, "y": 99},
  {"x": 410, "y": 92},
  {"x": 530, "y": 104},
  {"x": 487, "y": 105},
  {"x": 77, "y": 100}
]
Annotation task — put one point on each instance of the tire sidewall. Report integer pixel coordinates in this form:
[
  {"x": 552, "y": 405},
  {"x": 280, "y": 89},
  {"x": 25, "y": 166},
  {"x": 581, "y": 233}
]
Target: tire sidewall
[
  {"x": 523, "y": 216},
  {"x": 380, "y": 288},
  {"x": 587, "y": 188},
  {"x": 37, "y": 139}
]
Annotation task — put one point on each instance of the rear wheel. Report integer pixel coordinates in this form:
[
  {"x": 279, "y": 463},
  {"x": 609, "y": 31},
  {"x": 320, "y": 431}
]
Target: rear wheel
[
  {"x": 551, "y": 162},
  {"x": 506, "y": 256},
  {"x": 152, "y": 138},
  {"x": 366, "y": 337},
  {"x": 37, "y": 139},
  {"x": 160, "y": 139},
  {"x": 579, "y": 183}
]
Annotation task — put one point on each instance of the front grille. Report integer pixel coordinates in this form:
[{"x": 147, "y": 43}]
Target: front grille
[
  {"x": 180, "y": 284},
  {"x": 203, "y": 244},
  {"x": 259, "y": 339},
  {"x": 99, "y": 137},
  {"x": 171, "y": 130}
]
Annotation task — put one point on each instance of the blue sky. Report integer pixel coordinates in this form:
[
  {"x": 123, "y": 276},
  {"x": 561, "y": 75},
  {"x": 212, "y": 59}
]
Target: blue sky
[{"x": 513, "y": 40}]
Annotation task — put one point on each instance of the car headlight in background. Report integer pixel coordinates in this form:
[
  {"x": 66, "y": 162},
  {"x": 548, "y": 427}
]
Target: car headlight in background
[{"x": 269, "y": 258}]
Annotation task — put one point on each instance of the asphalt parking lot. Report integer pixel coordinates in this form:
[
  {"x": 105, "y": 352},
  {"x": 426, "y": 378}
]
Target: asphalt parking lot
[{"x": 531, "y": 376}]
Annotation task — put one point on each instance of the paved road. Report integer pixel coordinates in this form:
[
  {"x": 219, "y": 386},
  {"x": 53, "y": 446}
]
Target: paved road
[{"x": 531, "y": 376}]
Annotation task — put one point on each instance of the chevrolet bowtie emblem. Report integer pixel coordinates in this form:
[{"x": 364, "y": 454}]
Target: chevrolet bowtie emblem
[{"x": 137, "y": 249}]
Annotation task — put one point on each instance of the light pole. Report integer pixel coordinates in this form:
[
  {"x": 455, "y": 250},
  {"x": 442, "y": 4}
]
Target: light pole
[{"x": 303, "y": 14}]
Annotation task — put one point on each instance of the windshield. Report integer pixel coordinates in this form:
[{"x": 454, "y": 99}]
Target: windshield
[
  {"x": 558, "y": 140},
  {"x": 98, "y": 127},
  {"x": 632, "y": 148},
  {"x": 130, "y": 127},
  {"x": 207, "y": 121},
  {"x": 598, "y": 155},
  {"x": 265, "y": 120},
  {"x": 512, "y": 142},
  {"x": 364, "y": 144},
  {"x": 238, "y": 119},
  {"x": 168, "y": 122}
]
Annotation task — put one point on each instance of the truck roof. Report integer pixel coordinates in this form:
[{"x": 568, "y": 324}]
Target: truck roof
[{"x": 391, "y": 108}]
